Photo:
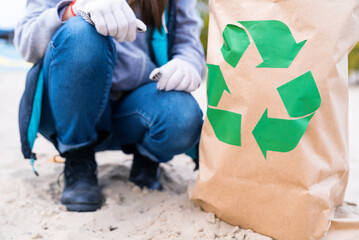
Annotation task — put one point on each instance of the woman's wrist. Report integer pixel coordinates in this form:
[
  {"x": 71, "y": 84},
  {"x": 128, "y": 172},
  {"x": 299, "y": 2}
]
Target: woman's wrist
[{"x": 67, "y": 13}]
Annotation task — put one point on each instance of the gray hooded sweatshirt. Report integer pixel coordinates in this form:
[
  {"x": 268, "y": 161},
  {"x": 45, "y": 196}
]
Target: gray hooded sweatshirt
[{"x": 43, "y": 18}]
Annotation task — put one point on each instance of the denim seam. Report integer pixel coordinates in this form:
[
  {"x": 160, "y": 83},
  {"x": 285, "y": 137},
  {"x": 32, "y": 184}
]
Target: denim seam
[
  {"x": 107, "y": 86},
  {"x": 49, "y": 83},
  {"x": 104, "y": 99},
  {"x": 149, "y": 123},
  {"x": 49, "y": 75}
]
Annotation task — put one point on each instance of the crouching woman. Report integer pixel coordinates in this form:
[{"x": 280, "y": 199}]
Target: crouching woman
[{"x": 101, "y": 82}]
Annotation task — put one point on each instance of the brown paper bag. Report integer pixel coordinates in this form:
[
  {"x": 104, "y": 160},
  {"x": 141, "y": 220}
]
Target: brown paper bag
[{"x": 274, "y": 146}]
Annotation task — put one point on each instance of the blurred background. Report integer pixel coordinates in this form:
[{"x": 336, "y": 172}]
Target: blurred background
[{"x": 11, "y": 12}]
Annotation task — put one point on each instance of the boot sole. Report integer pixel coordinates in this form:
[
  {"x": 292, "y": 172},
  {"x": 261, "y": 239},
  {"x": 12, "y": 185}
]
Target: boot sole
[
  {"x": 154, "y": 186},
  {"x": 82, "y": 207}
]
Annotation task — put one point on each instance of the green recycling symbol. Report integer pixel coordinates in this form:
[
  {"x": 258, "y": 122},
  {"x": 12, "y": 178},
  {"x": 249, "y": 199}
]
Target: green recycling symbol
[{"x": 300, "y": 96}]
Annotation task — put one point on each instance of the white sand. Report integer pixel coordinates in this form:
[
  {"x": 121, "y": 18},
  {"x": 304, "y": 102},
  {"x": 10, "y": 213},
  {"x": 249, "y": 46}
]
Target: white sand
[{"x": 30, "y": 206}]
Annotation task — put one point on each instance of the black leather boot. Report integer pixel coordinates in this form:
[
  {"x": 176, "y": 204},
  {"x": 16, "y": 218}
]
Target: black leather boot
[
  {"x": 145, "y": 172},
  {"x": 81, "y": 192}
]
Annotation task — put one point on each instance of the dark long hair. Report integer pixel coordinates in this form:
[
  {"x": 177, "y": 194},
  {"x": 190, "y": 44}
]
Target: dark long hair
[{"x": 151, "y": 11}]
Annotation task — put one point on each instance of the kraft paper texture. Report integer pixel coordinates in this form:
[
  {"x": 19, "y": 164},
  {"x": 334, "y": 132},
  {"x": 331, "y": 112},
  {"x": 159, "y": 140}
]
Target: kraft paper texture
[{"x": 274, "y": 146}]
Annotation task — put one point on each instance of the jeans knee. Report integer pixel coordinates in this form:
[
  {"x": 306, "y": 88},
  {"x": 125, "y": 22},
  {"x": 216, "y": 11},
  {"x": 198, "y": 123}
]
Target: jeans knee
[
  {"x": 80, "y": 40},
  {"x": 185, "y": 120}
]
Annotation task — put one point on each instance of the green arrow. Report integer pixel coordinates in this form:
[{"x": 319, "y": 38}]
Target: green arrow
[
  {"x": 274, "y": 41},
  {"x": 226, "y": 125},
  {"x": 300, "y": 96},
  {"x": 216, "y": 85},
  {"x": 279, "y": 135},
  {"x": 236, "y": 42}
]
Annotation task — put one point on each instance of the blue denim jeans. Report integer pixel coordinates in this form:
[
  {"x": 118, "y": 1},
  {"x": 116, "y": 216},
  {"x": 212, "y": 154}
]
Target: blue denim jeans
[{"x": 77, "y": 110}]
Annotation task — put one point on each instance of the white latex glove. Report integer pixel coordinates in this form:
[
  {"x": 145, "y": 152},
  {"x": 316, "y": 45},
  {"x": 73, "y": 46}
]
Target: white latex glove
[
  {"x": 110, "y": 17},
  {"x": 176, "y": 75}
]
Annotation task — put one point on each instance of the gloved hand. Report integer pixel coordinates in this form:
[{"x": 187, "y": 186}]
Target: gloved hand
[
  {"x": 176, "y": 75},
  {"x": 110, "y": 17}
]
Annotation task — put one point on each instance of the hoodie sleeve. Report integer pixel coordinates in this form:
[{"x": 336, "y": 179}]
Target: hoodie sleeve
[
  {"x": 35, "y": 30},
  {"x": 187, "y": 44}
]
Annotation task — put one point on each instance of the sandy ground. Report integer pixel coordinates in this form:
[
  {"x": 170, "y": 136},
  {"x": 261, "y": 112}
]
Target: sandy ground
[{"x": 30, "y": 206}]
